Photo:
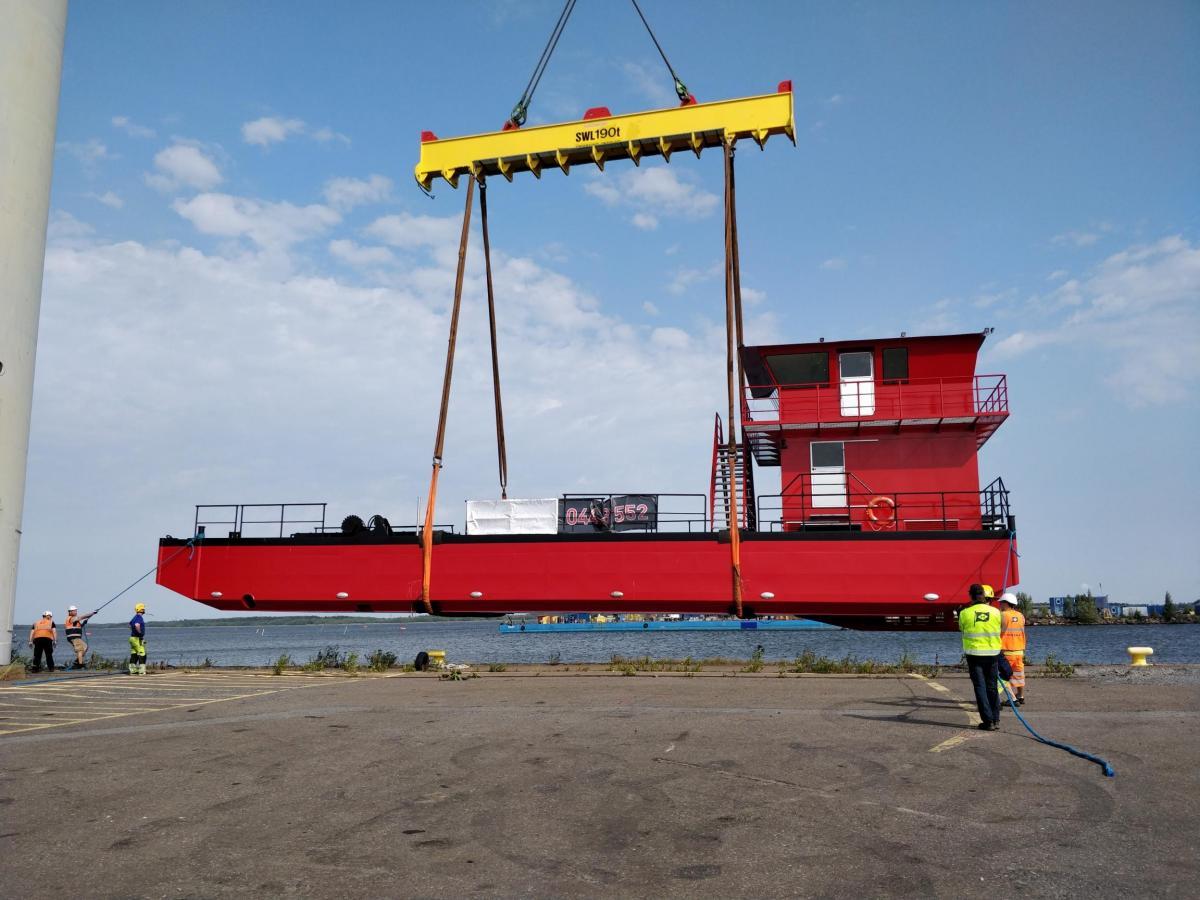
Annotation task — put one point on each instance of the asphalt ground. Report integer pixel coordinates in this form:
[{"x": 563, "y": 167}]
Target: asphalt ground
[{"x": 215, "y": 784}]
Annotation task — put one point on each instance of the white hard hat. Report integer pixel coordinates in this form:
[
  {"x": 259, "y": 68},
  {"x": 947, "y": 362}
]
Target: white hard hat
[
  {"x": 48, "y": 613},
  {"x": 1008, "y": 597},
  {"x": 72, "y": 609}
]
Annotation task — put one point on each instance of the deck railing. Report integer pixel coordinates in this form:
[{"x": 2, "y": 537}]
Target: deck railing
[
  {"x": 914, "y": 401},
  {"x": 805, "y": 506}
]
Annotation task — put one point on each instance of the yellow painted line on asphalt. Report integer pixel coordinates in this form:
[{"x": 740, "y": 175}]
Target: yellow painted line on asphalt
[
  {"x": 972, "y": 716},
  {"x": 106, "y": 700}
]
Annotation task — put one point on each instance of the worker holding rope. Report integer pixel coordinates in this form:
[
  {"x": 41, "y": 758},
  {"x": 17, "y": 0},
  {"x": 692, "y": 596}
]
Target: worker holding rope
[
  {"x": 979, "y": 624},
  {"x": 1012, "y": 643},
  {"x": 73, "y": 628}
]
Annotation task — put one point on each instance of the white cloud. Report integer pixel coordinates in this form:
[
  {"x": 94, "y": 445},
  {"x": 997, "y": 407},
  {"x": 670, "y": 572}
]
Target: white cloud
[
  {"x": 1075, "y": 238},
  {"x": 835, "y": 100},
  {"x": 272, "y": 226},
  {"x": 325, "y": 135},
  {"x": 346, "y": 193},
  {"x": 183, "y": 165},
  {"x": 650, "y": 82},
  {"x": 1138, "y": 310},
  {"x": 674, "y": 338},
  {"x": 1080, "y": 238},
  {"x": 63, "y": 227},
  {"x": 410, "y": 232},
  {"x": 109, "y": 198},
  {"x": 649, "y": 308},
  {"x": 357, "y": 255},
  {"x": 131, "y": 128},
  {"x": 270, "y": 130},
  {"x": 1057, "y": 275},
  {"x": 834, "y": 264},
  {"x": 653, "y": 192},
  {"x": 752, "y": 296},
  {"x": 685, "y": 278},
  {"x": 88, "y": 152}
]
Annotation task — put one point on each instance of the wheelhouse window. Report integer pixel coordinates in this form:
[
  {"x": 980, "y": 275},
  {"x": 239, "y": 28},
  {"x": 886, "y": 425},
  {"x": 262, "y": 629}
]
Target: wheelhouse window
[
  {"x": 800, "y": 368},
  {"x": 895, "y": 364}
]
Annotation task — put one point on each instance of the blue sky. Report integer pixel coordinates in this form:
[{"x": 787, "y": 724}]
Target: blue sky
[{"x": 246, "y": 294}]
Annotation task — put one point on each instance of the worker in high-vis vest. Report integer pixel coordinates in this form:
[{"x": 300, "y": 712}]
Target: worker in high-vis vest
[
  {"x": 43, "y": 637},
  {"x": 137, "y": 641},
  {"x": 979, "y": 624},
  {"x": 1012, "y": 643},
  {"x": 73, "y": 629}
]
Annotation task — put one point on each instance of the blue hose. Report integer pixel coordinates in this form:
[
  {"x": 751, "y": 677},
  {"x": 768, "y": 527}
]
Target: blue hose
[{"x": 1102, "y": 763}]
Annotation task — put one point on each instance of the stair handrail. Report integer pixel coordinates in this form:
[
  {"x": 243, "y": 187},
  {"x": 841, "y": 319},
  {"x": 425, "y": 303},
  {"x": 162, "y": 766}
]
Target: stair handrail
[{"x": 718, "y": 440}]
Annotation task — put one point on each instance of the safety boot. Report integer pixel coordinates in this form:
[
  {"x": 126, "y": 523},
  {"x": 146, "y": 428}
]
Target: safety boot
[{"x": 141, "y": 668}]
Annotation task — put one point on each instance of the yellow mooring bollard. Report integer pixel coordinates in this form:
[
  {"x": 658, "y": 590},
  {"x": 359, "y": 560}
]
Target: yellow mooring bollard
[
  {"x": 1137, "y": 655},
  {"x": 437, "y": 659}
]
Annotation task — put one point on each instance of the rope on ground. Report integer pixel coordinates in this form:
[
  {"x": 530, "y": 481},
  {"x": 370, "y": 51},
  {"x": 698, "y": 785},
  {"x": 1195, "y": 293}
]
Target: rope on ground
[{"x": 1102, "y": 763}]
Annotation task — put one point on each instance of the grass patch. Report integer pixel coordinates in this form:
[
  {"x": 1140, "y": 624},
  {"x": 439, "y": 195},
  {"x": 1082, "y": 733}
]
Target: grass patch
[
  {"x": 350, "y": 664},
  {"x": 498, "y": 667},
  {"x": 810, "y": 663},
  {"x": 756, "y": 661},
  {"x": 103, "y": 663},
  {"x": 329, "y": 658},
  {"x": 631, "y": 665},
  {"x": 281, "y": 665},
  {"x": 381, "y": 660},
  {"x": 1053, "y": 667}
]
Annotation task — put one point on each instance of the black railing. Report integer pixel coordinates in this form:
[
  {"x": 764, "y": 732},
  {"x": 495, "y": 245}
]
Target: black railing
[
  {"x": 833, "y": 508},
  {"x": 263, "y": 519}
]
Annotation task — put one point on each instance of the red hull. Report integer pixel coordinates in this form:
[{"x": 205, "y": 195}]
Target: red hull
[{"x": 862, "y": 576}]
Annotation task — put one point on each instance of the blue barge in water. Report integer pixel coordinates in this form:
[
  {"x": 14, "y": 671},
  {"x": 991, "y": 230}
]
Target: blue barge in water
[{"x": 666, "y": 625}]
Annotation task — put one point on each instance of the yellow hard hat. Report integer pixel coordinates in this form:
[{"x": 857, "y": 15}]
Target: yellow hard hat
[
  {"x": 141, "y": 607},
  {"x": 988, "y": 592}
]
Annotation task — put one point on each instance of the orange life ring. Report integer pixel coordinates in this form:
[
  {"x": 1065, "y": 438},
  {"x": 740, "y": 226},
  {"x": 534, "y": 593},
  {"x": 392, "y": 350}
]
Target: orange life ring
[{"x": 878, "y": 522}]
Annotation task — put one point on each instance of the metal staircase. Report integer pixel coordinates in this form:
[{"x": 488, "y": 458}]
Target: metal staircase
[{"x": 719, "y": 493}]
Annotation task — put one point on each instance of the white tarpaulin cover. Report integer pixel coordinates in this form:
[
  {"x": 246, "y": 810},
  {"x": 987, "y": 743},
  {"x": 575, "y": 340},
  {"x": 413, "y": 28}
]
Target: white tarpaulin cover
[{"x": 512, "y": 516}]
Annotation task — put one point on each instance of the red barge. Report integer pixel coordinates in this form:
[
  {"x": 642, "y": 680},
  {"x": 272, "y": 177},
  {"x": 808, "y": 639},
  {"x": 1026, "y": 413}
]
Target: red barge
[{"x": 879, "y": 521}]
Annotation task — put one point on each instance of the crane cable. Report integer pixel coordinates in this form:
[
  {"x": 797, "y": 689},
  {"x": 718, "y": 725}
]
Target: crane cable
[
  {"x": 732, "y": 334},
  {"x": 501, "y": 450},
  {"x": 521, "y": 110},
  {"x": 440, "y": 442},
  {"x": 680, "y": 88},
  {"x": 517, "y": 117}
]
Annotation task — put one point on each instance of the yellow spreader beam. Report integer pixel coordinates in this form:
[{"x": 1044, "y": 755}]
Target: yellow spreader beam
[{"x": 600, "y": 137}]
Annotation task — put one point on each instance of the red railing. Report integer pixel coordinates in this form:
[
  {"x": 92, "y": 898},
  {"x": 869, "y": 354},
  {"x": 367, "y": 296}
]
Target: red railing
[{"x": 930, "y": 400}]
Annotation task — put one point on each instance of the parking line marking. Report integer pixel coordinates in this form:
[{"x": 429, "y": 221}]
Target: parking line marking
[{"x": 56, "y": 705}]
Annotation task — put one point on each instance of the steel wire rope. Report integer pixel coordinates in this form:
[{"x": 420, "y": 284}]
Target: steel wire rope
[
  {"x": 517, "y": 117},
  {"x": 680, "y": 88}
]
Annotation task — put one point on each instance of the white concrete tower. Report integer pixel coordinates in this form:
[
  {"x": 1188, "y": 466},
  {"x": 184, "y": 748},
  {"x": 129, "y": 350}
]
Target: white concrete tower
[{"x": 31, "y": 49}]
